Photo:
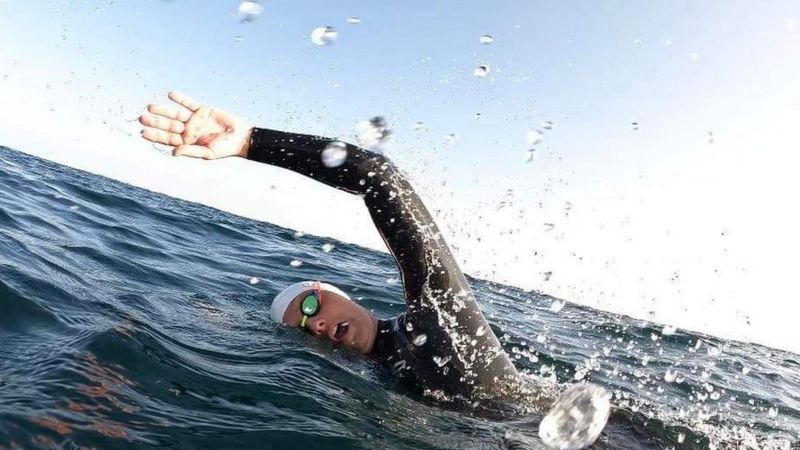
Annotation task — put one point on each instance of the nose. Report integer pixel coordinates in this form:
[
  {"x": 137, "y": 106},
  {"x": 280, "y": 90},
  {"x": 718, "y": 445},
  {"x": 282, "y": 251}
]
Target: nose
[{"x": 317, "y": 325}]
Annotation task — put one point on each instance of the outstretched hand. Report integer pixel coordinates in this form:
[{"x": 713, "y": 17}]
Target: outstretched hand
[{"x": 196, "y": 130}]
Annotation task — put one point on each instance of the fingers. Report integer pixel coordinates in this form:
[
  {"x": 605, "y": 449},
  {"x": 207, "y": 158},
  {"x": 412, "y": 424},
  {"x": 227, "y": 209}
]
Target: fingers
[
  {"x": 194, "y": 151},
  {"x": 170, "y": 113},
  {"x": 187, "y": 102},
  {"x": 162, "y": 123},
  {"x": 162, "y": 137}
]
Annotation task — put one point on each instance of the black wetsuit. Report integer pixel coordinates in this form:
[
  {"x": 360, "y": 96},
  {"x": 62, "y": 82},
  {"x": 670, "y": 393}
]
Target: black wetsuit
[{"x": 442, "y": 343}]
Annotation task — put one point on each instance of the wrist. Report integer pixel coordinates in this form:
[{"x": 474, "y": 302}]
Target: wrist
[{"x": 246, "y": 144}]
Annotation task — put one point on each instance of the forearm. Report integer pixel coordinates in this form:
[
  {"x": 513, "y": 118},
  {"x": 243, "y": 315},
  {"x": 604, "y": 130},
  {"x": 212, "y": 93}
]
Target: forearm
[
  {"x": 302, "y": 153},
  {"x": 401, "y": 218}
]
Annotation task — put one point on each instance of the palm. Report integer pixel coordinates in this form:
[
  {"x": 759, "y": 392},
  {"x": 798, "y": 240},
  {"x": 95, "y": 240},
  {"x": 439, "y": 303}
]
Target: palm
[{"x": 198, "y": 130}]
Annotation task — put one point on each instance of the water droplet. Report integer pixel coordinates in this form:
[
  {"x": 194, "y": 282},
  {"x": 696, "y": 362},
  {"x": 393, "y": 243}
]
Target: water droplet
[
  {"x": 254, "y": 280},
  {"x": 529, "y": 155},
  {"x": 577, "y": 418},
  {"x": 745, "y": 370},
  {"x": 74, "y": 208},
  {"x": 773, "y": 412},
  {"x": 409, "y": 327},
  {"x": 637, "y": 41},
  {"x": 354, "y": 20},
  {"x": 486, "y": 39},
  {"x": 670, "y": 376},
  {"x": 681, "y": 437},
  {"x": 392, "y": 280},
  {"x": 534, "y": 137},
  {"x": 419, "y": 126},
  {"x": 694, "y": 56},
  {"x": 239, "y": 39},
  {"x": 335, "y": 154},
  {"x": 480, "y": 331},
  {"x": 635, "y": 125},
  {"x": 557, "y": 306},
  {"x": 327, "y": 247},
  {"x": 296, "y": 263},
  {"x": 580, "y": 373},
  {"x": 715, "y": 396},
  {"x": 451, "y": 139},
  {"x": 713, "y": 351},
  {"x": 680, "y": 378},
  {"x": 547, "y": 125},
  {"x": 299, "y": 234},
  {"x": 541, "y": 338},
  {"x": 668, "y": 330},
  {"x": 481, "y": 71},
  {"x": 441, "y": 360},
  {"x": 323, "y": 35},
  {"x": 249, "y": 10},
  {"x": 667, "y": 42},
  {"x": 420, "y": 340},
  {"x": 374, "y": 133}
]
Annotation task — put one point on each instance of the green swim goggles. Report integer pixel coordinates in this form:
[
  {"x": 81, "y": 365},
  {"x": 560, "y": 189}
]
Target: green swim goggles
[{"x": 310, "y": 305}]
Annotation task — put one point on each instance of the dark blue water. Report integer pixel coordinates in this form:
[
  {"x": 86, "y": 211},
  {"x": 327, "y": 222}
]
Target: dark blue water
[{"x": 128, "y": 319}]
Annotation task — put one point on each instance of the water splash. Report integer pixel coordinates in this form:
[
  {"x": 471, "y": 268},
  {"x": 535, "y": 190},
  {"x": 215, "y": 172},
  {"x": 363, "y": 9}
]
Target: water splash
[
  {"x": 481, "y": 71},
  {"x": 529, "y": 155},
  {"x": 323, "y": 36},
  {"x": 335, "y": 154},
  {"x": 486, "y": 39},
  {"x": 249, "y": 10},
  {"x": 374, "y": 134},
  {"x": 442, "y": 360},
  {"x": 577, "y": 418},
  {"x": 534, "y": 137}
]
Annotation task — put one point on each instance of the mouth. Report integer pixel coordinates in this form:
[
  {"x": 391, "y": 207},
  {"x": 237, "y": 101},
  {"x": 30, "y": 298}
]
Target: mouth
[{"x": 340, "y": 331}]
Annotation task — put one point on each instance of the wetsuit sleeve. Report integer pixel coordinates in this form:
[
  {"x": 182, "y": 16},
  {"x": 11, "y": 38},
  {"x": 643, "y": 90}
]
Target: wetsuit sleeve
[{"x": 398, "y": 213}]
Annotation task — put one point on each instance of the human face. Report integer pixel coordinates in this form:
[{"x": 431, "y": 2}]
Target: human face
[{"x": 338, "y": 319}]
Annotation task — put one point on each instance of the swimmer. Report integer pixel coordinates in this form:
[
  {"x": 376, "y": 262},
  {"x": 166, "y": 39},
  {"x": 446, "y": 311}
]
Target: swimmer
[{"x": 442, "y": 344}]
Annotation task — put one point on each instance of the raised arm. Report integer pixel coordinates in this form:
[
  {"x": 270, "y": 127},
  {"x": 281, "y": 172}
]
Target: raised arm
[
  {"x": 202, "y": 131},
  {"x": 398, "y": 213}
]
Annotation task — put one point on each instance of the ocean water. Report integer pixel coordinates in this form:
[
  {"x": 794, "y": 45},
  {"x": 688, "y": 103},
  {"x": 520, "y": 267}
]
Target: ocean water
[{"x": 131, "y": 319}]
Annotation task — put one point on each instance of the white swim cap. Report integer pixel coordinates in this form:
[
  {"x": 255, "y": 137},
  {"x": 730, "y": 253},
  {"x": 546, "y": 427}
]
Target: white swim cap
[{"x": 281, "y": 302}]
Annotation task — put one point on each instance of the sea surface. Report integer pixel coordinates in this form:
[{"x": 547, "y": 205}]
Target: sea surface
[{"x": 130, "y": 319}]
